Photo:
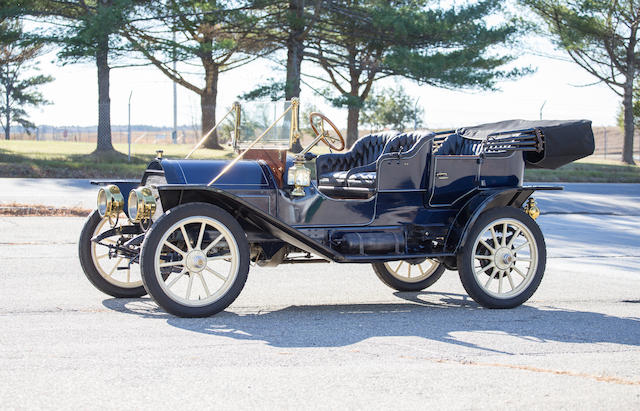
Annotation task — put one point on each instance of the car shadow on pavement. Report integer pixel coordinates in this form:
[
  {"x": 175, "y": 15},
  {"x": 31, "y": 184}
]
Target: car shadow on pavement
[{"x": 432, "y": 316}]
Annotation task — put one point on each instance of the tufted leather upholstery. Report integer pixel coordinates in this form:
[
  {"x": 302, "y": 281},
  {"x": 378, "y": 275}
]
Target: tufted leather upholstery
[
  {"x": 365, "y": 151},
  {"x": 365, "y": 179},
  {"x": 403, "y": 142},
  {"x": 357, "y": 167},
  {"x": 455, "y": 144}
]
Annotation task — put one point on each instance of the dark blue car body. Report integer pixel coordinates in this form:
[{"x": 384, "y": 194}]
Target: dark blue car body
[{"x": 421, "y": 205}]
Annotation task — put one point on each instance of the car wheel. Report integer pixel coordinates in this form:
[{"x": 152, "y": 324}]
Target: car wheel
[
  {"x": 111, "y": 275},
  {"x": 408, "y": 276},
  {"x": 503, "y": 260},
  {"x": 195, "y": 260}
]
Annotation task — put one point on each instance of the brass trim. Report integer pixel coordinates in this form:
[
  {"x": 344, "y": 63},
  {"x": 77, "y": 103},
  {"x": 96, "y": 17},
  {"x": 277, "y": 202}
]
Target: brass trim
[
  {"x": 532, "y": 208},
  {"x": 144, "y": 202},
  {"x": 113, "y": 203},
  {"x": 294, "y": 134},
  {"x": 236, "y": 127}
]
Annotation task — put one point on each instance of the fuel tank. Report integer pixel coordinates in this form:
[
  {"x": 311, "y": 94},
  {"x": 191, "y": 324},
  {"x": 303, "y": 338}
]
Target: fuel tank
[
  {"x": 246, "y": 174},
  {"x": 368, "y": 243}
]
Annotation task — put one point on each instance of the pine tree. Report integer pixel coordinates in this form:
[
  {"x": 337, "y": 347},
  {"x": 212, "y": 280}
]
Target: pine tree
[
  {"x": 84, "y": 31},
  {"x": 17, "y": 54},
  {"x": 602, "y": 37},
  {"x": 208, "y": 36},
  {"x": 358, "y": 42}
]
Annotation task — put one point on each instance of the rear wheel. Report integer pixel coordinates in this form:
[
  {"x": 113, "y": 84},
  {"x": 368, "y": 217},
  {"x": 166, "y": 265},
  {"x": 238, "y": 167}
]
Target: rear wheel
[
  {"x": 195, "y": 260},
  {"x": 409, "y": 276},
  {"x": 502, "y": 263},
  {"x": 109, "y": 273}
]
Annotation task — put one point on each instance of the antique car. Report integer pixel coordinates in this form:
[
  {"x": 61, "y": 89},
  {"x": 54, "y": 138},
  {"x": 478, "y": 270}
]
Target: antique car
[{"x": 410, "y": 204}]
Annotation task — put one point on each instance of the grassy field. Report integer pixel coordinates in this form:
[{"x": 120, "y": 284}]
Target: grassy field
[
  {"x": 74, "y": 160},
  {"x": 588, "y": 170}
]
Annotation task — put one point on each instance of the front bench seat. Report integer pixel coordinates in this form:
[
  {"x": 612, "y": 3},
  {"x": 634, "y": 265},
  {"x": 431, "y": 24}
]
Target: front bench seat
[
  {"x": 364, "y": 176},
  {"x": 332, "y": 168}
]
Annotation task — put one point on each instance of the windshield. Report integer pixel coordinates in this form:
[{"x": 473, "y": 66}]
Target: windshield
[{"x": 257, "y": 117}]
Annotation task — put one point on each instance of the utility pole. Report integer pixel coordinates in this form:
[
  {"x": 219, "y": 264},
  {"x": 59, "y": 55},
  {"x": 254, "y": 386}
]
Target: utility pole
[
  {"x": 129, "y": 126},
  {"x": 541, "y": 107},
  {"x": 174, "y": 133}
]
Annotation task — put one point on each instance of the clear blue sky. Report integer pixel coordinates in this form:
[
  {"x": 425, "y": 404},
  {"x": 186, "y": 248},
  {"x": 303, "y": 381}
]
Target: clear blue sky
[{"x": 74, "y": 95}]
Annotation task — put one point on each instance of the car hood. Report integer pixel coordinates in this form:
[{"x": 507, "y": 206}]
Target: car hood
[{"x": 246, "y": 174}]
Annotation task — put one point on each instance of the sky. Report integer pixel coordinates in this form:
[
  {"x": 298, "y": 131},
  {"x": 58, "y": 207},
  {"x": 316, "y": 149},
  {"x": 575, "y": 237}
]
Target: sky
[{"x": 559, "y": 83}]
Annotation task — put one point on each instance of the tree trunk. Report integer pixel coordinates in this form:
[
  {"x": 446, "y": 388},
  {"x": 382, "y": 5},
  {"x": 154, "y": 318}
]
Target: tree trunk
[
  {"x": 7, "y": 127},
  {"x": 295, "y": 48},
  {"x": 353, "y": 118},
  {"x": 627, "y": 103},
  {"x": 104, "y": 102},
  {"x": 208, "y": 105}
]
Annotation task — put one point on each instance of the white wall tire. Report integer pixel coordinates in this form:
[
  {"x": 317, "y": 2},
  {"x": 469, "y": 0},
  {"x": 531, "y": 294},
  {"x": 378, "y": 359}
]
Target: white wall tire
[
  {"x": 503, "y": 260},
  {"x": 112, "y": 276},
  {"x": 409, "y": 276},
  {"x": 199, "y": 276}
]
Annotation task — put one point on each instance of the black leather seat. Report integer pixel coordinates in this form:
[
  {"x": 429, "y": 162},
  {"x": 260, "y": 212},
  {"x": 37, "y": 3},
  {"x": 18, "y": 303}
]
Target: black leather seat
[
  {"x": 357, "y": 167},
  {"x": 365, "y": 179},
  {"x": 365, "y": 151},
  {"x": 455, "y": 144}
]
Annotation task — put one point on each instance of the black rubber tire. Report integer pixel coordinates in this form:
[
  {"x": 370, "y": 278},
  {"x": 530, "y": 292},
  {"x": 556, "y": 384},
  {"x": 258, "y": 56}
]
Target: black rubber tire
[
  {"x": 465, "y": 259},
  {"x": 89, "y": 268},
  {"x": 386, "y": 277},
  {"x": 150, "y": 244}
]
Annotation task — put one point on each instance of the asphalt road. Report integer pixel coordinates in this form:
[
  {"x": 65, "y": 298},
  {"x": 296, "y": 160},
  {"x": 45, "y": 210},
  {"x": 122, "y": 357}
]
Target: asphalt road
[{"x": 331, "y": 336}]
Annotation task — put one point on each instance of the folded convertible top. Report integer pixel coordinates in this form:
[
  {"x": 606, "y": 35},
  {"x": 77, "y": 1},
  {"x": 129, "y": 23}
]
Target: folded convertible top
[{"x": 563, "y": 141}]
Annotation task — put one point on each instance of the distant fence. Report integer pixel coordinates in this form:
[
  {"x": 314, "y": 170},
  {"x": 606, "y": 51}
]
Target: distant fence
[
  {"x": 139, "y": 135},
  {"x": 609, "y": 142}
]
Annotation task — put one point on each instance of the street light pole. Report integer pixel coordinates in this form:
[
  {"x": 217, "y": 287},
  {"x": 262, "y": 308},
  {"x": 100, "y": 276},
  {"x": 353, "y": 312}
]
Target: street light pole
[
  {"x": 541, "y": 107},
  {"x": 129, "y": 126},
  {"x": 174, "y": 134}
]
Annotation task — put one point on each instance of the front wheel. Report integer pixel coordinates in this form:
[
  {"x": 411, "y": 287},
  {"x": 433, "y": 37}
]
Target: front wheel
[
  {"x": 409, "y": 276},
  {"x": 503, "y": 260},
  {"x": 195, "y": 260},
  {"x": 112, "y": 274}
]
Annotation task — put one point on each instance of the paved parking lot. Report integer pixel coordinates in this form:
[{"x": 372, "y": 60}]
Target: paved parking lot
[{"x": 330, "y": 336}]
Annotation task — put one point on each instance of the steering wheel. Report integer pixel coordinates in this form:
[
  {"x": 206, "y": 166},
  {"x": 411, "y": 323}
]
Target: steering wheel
[{"x": 326, "y": 137}]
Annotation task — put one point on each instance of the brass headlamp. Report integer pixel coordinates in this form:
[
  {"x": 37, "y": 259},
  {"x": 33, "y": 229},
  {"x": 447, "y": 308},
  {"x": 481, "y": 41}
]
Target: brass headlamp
[
  {"x": 142, "y": 204},
  {"x": 110, "y": 203},
  {"x": 300, "y": 177}
]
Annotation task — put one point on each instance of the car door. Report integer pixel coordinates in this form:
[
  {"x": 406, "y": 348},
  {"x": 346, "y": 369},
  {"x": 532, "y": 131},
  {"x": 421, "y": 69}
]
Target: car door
[{"x": 452, "y": 177}]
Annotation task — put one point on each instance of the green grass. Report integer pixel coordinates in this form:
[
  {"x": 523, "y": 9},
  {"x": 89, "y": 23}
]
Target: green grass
[
  {"x": 74, "y": 160},
  {"x": 588, "y": 171},
  {"x": 58, "y": 159}
]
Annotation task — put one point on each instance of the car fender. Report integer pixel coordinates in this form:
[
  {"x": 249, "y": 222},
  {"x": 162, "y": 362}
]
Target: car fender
[
  {"x": 247, "y": 214},
  {"x": 483, "y": 201}
]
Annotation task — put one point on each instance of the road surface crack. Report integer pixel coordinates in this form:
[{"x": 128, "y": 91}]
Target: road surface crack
[{"x": 595, "y": 377}]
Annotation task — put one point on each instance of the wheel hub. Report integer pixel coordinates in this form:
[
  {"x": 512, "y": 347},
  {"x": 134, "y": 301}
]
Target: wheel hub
[
  {"x": 503, "y": 258},
  {"x": 196, "y": 261}
]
